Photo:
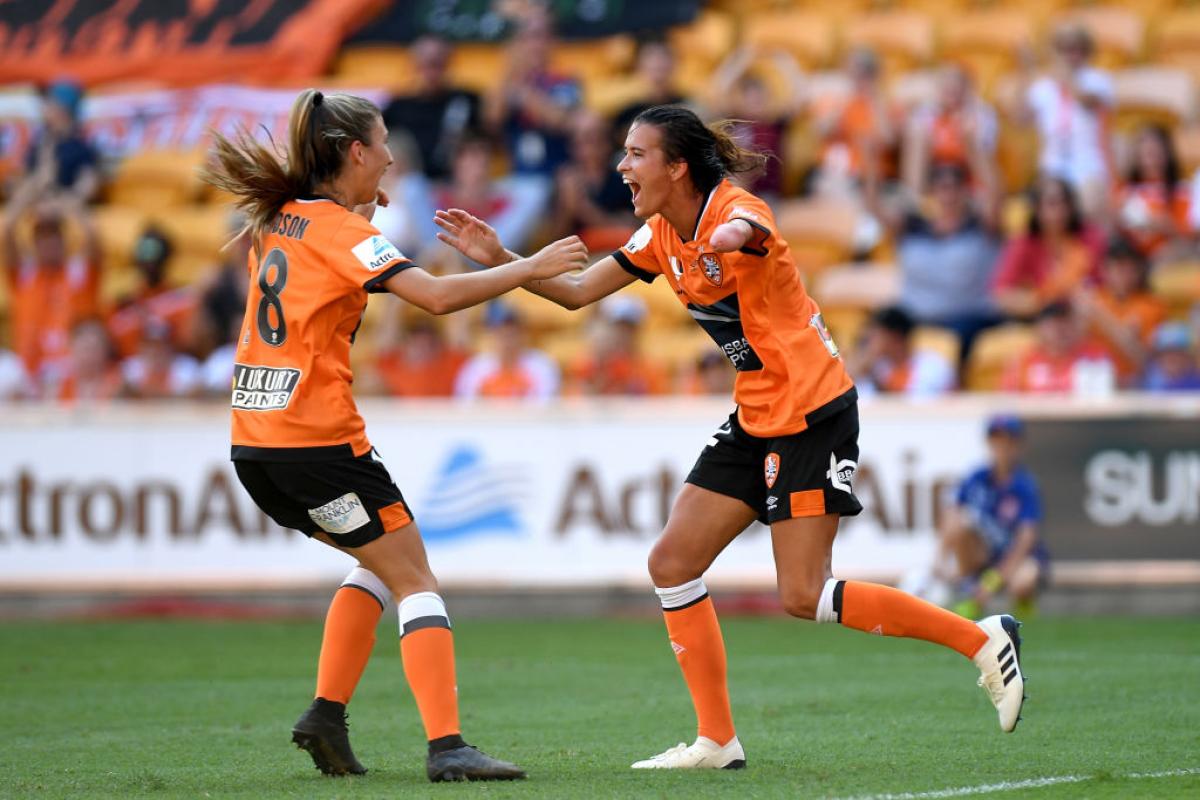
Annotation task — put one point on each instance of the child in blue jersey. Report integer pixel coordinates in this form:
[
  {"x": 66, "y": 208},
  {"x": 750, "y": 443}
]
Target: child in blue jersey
[{"x": 992, "y": 532}]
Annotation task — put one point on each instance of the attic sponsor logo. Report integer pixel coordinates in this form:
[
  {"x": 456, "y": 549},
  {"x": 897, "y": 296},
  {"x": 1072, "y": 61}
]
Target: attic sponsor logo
[{"x": 263, "y": 388}]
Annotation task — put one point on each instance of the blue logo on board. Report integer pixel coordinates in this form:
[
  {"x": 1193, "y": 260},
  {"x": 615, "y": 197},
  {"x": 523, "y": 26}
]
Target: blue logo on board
[{"x": 471, "y": 498}]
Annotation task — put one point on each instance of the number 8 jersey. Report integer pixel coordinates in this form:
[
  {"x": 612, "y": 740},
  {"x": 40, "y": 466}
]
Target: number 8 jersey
[{"x": 309, "y": 282}]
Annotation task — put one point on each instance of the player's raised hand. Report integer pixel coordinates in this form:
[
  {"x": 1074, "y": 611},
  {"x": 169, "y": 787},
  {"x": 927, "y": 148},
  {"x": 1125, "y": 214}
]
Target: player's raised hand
[
  {"x": 559, "y": 257},
  {"x": 470, "y": 236}
]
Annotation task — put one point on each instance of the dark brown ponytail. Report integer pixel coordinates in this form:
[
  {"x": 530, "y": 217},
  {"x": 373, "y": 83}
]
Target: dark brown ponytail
[{"x": 710, "y": 151}]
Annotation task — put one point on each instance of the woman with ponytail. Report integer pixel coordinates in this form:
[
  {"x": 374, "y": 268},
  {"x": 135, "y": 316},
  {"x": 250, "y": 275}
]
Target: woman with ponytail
[
  {"x": 788, "y": 453},
  {"x": 299, "y": 445}
]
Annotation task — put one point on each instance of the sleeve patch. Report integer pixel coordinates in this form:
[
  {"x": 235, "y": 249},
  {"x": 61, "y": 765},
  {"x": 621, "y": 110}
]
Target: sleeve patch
[
  {"x": 640, "y": 239},
  {"x": 376, "y": 252}
]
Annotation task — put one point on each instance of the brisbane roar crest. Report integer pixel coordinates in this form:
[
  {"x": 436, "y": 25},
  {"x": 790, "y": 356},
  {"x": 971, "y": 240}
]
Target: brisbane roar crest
[
  {"x": 711, "y": 264},
  {"x": 771, "y": 469}
]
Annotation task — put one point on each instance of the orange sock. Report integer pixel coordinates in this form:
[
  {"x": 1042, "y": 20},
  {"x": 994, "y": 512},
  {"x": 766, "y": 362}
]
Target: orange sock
[
  {"x": 347, "y": 642},
  {"x": 427, "y": 650},
  {"x": 700, "y": 649},
  {"x": 890, "y": 612}
]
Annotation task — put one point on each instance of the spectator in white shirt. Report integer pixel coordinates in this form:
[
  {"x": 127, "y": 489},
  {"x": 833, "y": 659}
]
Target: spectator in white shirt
[
  {"x": 1070, "y": 107},
  {"x": 885, "y": 360}
]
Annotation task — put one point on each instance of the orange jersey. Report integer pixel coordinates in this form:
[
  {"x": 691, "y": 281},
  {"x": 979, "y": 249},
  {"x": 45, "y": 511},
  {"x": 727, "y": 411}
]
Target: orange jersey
[
  {"x": 752, "y": 304},
  {"x": 291, "y": 382},
  {"x": 45, "y": 304}
]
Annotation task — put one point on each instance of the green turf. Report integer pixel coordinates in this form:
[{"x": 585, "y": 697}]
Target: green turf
[{"x": 200, "y": 709}]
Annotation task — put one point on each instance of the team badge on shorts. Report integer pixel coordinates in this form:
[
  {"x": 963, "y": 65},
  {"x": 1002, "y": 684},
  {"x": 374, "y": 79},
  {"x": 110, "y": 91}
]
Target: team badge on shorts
[
  {"x": 771, "y": 469},
  {"x": 712, "y": 268}
]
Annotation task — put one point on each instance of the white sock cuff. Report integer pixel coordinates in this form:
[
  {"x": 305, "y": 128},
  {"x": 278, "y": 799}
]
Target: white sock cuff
[
  {"x": 362, "y": 578},
  {"x": 825, "y": 609},
  {"x": 674, "y": 598},
  {"x": 422, "y": 610}
]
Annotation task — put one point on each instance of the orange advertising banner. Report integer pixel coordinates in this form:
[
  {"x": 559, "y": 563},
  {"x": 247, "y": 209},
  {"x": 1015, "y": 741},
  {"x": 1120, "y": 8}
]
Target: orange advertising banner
[{"x": 179, "y": 42}]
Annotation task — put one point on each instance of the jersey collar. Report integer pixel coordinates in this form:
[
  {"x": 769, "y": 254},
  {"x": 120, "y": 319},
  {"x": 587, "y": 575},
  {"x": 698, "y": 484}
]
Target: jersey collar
[{"x": 700, "y": 216}]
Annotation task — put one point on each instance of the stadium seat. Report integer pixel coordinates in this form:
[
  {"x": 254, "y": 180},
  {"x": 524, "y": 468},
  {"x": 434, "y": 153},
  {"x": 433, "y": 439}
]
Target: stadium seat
[
  {"x": 118, "y": 228},
  {"x": 383, "y": 66},
  {"x": 156, "y": 179},
  {"x": 477, "y": 66},
  {"x": 594, "y": 59},
  {"x": 1176, "y": 41},
  {"x": 941, "y": 342},
  {"x": 993, "y": 351},
  {"x": 197, "y": 233},
  {"x": 541, "y": 316},
  {"x": 903, "y": 39},
  {"x": 700, "y": 47},
  {"x": 679, "y": 347},
  {"x": 1159, "y": 95},
  {"x": 1177, "y": 284},
  {"x": 663, "y": 309},
  {"x": 807, "y": 35},
  {"x": 1119, "y": 33},
  {"x": 821, "y": 233},
  {"x": 863, "y": 286},
  {"x": 986, "y": 42},
  {"x": 914, "y": 89},
  {"x": 1187, "y": 145}
]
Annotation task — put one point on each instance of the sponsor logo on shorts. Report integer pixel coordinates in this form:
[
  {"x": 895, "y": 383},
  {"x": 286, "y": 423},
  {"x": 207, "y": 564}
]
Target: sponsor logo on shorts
[
  {"x": 841, "y": 473},
  {"x": 376, "y": 252},
  {"x": 641, "y": 237},
  {"x": 712, "y": 269},
  {"x": 771, "y": 469},
  {"x": 342, "y": 515},
  {"x": 263, "y": 388},
  {"x": 772, "y": 503}
]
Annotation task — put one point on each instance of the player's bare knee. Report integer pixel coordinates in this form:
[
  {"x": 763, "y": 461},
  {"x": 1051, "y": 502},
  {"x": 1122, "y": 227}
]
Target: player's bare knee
[
  {"x": 667, "y": 568},
  {"x": 800, "y": 599}
]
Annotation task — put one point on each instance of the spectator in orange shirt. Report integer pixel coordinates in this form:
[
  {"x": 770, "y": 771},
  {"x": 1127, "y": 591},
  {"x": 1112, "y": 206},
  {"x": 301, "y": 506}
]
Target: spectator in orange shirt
[
  {"x": 50, "y": 288},
  {"x": 1122, "y": 312},
  {"x": 423, "y": 364},
  {"x": 92, "y": 373},
  {"x": 1062, "y": 359},
  {"x": 858, "y": 134},
  {"x": 1155, "y": 202},
  {"x": 155, "y": 299},
  {"x": 1059, "y": 253},
  {"x": 512, "y": 370},
  {"x": 614, "y": 366},
  {"x": 157, "y": 370},
  {"x": 957, "y": 128}
]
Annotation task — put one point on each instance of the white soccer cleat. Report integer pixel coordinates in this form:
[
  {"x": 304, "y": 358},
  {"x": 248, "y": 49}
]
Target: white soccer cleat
[
  {"x": 1000, "y": 662},
  {"x": 704, "y": 753}
]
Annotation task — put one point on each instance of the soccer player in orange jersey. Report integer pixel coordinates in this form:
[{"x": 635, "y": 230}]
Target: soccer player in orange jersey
[
  {"x": 299, "y": 445},
  {"x": 786, "y": 456}
]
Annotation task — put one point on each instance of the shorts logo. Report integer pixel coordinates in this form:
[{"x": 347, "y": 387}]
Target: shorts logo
[
  {"x": 342, "y": 515},
  {"x": 772, "y": 503},
  {"x": 641, "y": 237},
  {"x": 712, "y": 269},
  {"x": 376, "y": 252},
  {"x": 771, "y": 469},
  {"x": 841, "y": 473},
  {"x": 263, "y": 388}
]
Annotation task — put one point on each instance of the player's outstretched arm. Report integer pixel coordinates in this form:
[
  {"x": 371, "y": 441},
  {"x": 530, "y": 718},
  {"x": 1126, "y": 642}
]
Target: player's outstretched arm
[
  {"x": 731, "y": 236},
  {"x": 448, "y": 293},
  {"x": 476, "y": 240}
]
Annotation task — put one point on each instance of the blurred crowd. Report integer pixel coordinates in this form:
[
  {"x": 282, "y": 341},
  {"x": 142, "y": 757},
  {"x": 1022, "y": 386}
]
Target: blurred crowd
[{"x": 955, "y": 282}]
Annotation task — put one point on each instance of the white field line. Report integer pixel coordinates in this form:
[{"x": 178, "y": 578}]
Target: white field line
[{"x": 1012, "y": 786}]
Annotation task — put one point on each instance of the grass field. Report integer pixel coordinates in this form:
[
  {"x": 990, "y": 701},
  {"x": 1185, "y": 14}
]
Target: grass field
[{"x": 203, "y": 709}]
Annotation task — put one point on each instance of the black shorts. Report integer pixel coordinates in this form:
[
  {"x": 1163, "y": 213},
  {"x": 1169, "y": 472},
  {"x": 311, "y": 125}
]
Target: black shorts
[
  {"x": 353, "y": 500},
  {"x": 806, "y": 474}
]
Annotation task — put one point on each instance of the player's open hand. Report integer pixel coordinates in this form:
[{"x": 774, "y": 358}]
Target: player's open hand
[
  {"x": 470, "y": 236},
  {"x": 559, "y": 257}
]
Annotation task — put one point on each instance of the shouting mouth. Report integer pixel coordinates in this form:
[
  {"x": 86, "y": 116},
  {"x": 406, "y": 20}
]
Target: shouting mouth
[{"x": 634, "y": 187}]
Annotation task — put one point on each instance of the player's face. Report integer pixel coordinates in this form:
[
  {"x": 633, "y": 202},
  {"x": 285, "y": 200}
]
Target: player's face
[
  {"x": 375, "y": 159},
  {"x": 645, "y": 170}
]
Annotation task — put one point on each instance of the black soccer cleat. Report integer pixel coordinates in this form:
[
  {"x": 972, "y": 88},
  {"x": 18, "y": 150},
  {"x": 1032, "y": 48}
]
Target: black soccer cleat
[
  {"x": 323, "y": 733},
  {"x": 468, "y": 764}
]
